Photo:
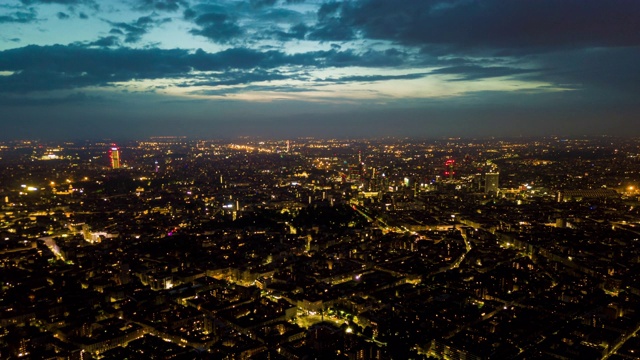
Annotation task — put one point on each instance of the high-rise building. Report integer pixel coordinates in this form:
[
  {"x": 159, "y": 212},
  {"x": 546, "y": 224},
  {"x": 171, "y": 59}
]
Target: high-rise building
[
  {"x": 449, "y": 168},
  {"x": 114, "y": 156},
  {"x": 355, "y": 172},
  {"x": 491, "y": 183}
]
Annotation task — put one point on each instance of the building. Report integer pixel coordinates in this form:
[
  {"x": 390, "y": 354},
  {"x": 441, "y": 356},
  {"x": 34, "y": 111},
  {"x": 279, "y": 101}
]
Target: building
[
  {"x": 491, "y": 183},
  {"x": 355, "y": 172},
  {"x": 578, "y": 195},
  {"x": 449, "y": 168},
  {"x": 114, "y": 156}
]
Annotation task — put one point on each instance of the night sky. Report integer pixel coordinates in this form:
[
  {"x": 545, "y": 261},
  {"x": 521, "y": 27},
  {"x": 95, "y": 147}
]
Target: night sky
[{"x": 125, "y": 69}]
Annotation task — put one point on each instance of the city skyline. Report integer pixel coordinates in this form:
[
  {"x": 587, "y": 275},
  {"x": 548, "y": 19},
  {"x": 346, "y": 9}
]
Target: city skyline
[
  {"x": 330, "y": 249},
  {"x": 73, "y": 69}
]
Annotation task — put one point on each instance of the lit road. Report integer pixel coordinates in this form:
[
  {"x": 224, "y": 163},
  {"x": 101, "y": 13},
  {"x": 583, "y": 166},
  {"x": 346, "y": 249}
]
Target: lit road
[
  {"x": 617, "y": 346},
  {"x": 382, "y": 224},
  {"x": 459, "y": 261},
  {"x": 51, "y": 244},
  {"x": 467, "y": 244}
]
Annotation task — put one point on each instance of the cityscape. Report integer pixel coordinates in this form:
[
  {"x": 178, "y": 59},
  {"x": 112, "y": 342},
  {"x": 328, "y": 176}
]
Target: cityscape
[
  {"x": 389, "y": 248},
  {"x": 319, "y": 179}
]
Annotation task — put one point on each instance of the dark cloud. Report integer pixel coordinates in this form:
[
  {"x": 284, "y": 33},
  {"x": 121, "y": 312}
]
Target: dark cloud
[
  {"x": 612, "y": 71},
  {"x": 43, "y": 68},
  {"x": 62, "y": 16},
  {"x": 66, "y": 67},
  {"x": 331, "y": 26},
  {"x": 328, "y": 9},
  {"x": 332, "y": 30},
  {"x": 189, "y": 14},
  {"x": 374, "y": 78},
  {"x": 262, "y": 3},
  {"x": 297, "y": 32},
  {"x": 44, "y": 80},
  {"x": 229, "y": 78},
  {"x": 239, "y": 58},
  {"x": 217, "y": 27},
  {"x": 524, "y": 25},
  {"x": 19, "y": 17},
  {"x": 106, "y": 41},
  {"x": 160, "y": 5},
  {"x": 83, "y": 16},
  {"x": 243, "y": 58},
  {"x": 134, "y": 31},
  {"x": 237, "y": 90},
  {"x": 62, "y": 2},
  {"x": 247, "y": 22}
]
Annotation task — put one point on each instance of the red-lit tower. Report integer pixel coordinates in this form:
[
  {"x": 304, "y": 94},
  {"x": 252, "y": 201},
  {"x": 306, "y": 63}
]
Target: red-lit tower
[
  {"x": 114, "y": 156},
  {"x": 449, "y": 168}
]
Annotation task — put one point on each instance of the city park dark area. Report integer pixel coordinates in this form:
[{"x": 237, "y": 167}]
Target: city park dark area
[{"x": 392, "y": 248}]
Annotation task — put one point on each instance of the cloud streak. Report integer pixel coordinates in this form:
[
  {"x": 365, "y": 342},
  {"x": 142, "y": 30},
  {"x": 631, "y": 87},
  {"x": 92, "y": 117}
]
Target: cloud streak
[
  {"x": 43, "y": 68},
  {"x": 21, "y": 17}
]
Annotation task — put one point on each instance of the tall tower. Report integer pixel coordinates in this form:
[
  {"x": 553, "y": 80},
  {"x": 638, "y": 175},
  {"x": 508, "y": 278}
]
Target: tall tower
[
  {"x": 114, "y": 156},
  {"x": 449, "y": 168}
]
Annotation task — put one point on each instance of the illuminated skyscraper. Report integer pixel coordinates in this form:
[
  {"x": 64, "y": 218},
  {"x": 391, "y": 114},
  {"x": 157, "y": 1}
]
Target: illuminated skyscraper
[
  {"x": 491, "y": 183},
  {"x": 114, "y": 156},
  {"x": 449, "y": 168}
]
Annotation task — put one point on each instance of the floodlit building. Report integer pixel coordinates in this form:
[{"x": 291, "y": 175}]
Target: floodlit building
[{"x": 114, "y": 157}]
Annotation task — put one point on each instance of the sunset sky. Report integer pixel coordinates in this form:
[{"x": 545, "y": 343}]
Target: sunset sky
[{"x": 75, "y": 69}]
